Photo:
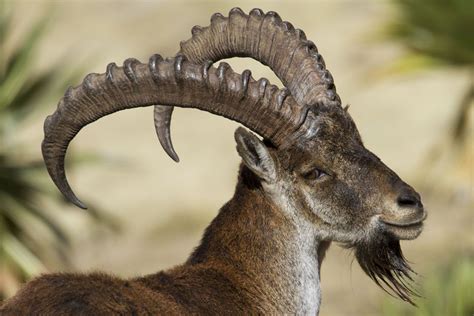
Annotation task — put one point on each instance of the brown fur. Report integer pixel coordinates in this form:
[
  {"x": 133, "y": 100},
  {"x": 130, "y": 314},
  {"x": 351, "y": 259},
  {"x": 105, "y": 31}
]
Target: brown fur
[{"x": 239, "y": 268}]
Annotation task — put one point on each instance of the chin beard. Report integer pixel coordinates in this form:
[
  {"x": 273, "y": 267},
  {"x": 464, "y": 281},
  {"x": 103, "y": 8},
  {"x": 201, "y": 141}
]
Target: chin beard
[{"x": 383, "y": 261}]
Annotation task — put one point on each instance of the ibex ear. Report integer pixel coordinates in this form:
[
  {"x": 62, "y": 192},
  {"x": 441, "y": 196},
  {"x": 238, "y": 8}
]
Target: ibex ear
[{"x": 255, "y": 155}]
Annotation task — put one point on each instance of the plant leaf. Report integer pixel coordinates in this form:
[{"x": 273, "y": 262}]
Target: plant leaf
[{"x": 18, "y": 67}]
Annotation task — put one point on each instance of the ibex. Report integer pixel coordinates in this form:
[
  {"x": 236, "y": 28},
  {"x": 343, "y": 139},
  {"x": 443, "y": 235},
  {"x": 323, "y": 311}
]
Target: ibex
[{"x": 309, "y": 181}]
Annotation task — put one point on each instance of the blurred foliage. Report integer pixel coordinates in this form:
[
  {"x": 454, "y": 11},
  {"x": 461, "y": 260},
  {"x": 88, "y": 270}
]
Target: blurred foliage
[
  {"x": 439, "y": 33},
  {"x": 30, "y": 239},
  {"x": 447, "y": 291},
  {"x": 435, "y": 32}
]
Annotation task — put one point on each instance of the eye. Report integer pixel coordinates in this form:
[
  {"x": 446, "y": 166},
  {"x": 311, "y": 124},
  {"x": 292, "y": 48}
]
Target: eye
[{"x": 314, "y": 174}]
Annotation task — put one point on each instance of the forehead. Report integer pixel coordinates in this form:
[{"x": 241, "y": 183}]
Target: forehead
[
  {"x": 335, "y": 127},
  {"x": 335, "y": 123},
  {"x": 336, "y": 135}
]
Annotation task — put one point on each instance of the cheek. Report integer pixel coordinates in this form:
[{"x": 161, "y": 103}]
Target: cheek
[
  {"x": 346, "y": 198},
  {"x": 337, "y": 204}
]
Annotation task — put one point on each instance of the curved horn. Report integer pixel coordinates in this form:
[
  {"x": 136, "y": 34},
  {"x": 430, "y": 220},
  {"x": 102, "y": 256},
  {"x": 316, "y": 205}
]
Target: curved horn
[
  {"x": 162, "y": 117},
  {"x": 260, "y": 106},
  {"x": 266, "y": 38}
]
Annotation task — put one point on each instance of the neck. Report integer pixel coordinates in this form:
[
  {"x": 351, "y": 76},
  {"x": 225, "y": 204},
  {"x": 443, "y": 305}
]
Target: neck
[{"x": 267, "y": 251}]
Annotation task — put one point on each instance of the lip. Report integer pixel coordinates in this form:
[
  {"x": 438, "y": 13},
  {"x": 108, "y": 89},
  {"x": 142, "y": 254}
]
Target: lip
[
  {"x": 404, "y": 230},
  {"x": 405, "y": 226},
  {"x": 408, "y": 224}
]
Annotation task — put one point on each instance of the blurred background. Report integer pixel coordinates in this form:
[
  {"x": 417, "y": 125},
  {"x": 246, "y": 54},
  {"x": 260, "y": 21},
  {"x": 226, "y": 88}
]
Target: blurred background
[{"x": 406, "y": 67}]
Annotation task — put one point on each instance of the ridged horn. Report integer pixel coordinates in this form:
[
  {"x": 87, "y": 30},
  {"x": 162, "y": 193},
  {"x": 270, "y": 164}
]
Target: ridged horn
[
  {"x": 256, "y": 104},
  {"x": 266, "y": 38}
]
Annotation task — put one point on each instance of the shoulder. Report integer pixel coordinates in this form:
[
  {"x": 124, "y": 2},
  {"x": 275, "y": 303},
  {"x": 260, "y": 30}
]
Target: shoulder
[{"x": 63, "y": 294}]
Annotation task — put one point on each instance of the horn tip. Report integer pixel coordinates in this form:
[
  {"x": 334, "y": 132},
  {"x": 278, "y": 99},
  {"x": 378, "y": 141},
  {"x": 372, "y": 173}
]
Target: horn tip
[
  {"x": 172, "y": 153},
  {"x": 74, "y": 200},
  {"x": 81, "y": 205}
]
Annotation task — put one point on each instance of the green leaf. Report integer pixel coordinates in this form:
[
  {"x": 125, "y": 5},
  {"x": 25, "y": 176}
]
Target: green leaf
[
  {"x": 19, "y": 208},
  {"x": 27, "y": 99},
  {"x": 18, "y": 67},
  {"x": 5, "y": 22},
  {"x": 23, "y": 258}
]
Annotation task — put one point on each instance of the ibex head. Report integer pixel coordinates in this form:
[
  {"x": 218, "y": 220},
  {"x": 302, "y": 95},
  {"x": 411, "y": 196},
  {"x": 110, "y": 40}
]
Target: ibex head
[
  {"x": 311, "y": 162},
  {"x": 350, "y": 196},
  {"x": 349, "y": 193}
]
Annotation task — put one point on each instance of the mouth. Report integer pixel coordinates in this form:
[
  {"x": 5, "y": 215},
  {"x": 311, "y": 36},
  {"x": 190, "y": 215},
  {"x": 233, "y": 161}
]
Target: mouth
[{"x": 404, "y": 230}]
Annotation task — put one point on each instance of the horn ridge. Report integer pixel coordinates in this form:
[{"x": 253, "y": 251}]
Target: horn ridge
[
  {"x": 270, "y": 40},
  {"x": 180, "y": 83},
  {"x": 239, "y": 35}
]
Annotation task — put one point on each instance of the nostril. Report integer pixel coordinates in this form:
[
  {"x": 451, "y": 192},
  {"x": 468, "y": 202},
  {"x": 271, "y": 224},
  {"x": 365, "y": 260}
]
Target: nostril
[{"x": 409, "y": 200}]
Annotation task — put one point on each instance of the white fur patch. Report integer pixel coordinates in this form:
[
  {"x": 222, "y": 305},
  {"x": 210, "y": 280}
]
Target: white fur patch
[{"x": 307, "y": 291}]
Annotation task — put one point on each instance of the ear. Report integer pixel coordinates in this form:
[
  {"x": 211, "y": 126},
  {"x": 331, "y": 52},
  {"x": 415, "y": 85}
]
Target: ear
[{"x": 255, "y": 155}]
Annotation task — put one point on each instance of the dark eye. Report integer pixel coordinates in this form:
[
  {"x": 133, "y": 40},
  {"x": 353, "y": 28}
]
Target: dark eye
[{"x": 314, "y": 174}]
